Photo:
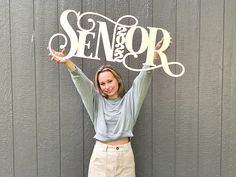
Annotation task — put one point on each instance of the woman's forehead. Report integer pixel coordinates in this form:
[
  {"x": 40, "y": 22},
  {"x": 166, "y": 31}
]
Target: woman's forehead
[{"x": 103, "y": 76}]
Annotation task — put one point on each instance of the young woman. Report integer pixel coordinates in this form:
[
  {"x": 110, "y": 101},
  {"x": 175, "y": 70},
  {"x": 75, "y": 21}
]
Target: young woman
[{"x": 113, "y": 114}]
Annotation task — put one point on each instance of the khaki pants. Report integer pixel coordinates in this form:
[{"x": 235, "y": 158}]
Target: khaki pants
[{"x": 112, "y": 161}]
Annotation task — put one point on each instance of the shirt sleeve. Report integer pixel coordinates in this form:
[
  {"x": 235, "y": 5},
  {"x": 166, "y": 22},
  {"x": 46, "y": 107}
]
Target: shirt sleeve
[
  {"x": 138, "y": 91},
  {"x": 86, "y": 90}
]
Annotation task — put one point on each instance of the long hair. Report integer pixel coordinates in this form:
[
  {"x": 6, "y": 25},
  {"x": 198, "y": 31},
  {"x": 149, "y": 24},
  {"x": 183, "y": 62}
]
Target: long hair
[{"x": 116, "y": 74}]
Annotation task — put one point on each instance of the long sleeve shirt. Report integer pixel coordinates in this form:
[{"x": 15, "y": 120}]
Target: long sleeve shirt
[{"x": 112, "y": 118}]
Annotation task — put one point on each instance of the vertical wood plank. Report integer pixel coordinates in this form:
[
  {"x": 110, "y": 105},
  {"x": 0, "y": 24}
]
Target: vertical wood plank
[
  {"x": 229, "y": 92},
  {"x": 210, "y": 87},
  {"x": 164, "y": 16},
  {"x": 114, "y": 10},
  {"x": 47, "y": 76},
  {"x": 23, "y": 74},
  {"x": 6, "y": 133},
  {"x": 71, "y": 109},
  {"x": 89, "y": 68},
  {"x": 45, "y": 131},
  {"x": 187, "y": 53},
  {"x": 142, "y": 143}
]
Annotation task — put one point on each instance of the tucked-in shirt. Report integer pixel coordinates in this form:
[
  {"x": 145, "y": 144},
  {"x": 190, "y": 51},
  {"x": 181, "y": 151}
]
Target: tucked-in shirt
[{"x": 112, "y": 118}]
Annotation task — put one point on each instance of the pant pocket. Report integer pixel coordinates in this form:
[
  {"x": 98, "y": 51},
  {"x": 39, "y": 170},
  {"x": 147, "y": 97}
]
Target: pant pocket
[{"x": 97, "y": 165}]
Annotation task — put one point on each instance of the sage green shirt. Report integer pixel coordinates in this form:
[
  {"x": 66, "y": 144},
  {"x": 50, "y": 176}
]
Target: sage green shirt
[{"x": 112, "y": 118}]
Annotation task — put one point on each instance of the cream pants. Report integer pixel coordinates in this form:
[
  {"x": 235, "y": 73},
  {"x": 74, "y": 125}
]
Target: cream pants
[{"x": 112, "y": 161}]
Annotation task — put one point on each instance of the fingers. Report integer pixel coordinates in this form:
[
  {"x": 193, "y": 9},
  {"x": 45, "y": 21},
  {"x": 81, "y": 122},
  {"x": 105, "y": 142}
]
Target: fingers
[
  {"x": 54, "y": 55},
  {"x": 160, "y": 43},
  {"x": 63, "y": 51}
]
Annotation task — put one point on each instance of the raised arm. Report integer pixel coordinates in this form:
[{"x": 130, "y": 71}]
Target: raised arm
[
  {"x": 82, "y": 83},
  {"x": 138, "y": 91}
]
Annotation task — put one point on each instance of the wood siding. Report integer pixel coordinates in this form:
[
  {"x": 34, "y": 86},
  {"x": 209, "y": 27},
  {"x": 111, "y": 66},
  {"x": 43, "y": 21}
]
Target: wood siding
[{"x": 187, "y": 125}]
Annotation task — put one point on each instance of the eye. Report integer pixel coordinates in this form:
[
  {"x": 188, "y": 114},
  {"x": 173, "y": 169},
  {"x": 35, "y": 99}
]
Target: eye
[
  {"x": 109, "y": 81},
  {"x": 102, "y": 84}
]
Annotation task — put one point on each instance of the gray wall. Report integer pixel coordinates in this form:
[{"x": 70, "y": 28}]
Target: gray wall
[{"x": 187, "y": 125}]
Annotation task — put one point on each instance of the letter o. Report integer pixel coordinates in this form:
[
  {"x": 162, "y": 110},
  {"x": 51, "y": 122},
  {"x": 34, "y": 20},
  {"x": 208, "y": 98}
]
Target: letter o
[{"x": 129, "y": 40}]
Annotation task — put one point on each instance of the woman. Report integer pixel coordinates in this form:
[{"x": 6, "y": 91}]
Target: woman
[{"x": 113, "y": 114}]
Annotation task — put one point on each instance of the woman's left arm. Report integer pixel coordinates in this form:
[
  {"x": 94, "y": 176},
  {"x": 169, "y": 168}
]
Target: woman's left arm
[{"x": 141, "y": 84}]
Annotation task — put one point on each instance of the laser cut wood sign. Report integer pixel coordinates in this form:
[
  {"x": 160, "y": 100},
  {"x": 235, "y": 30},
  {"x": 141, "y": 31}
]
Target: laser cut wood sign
[{"x": 119, "y": 47}]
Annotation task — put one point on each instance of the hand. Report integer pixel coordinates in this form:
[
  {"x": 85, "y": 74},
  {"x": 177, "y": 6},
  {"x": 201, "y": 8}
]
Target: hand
[
  {"x": 59, "y": 54},
  {"x": 68, "y": 63},
  {"x": 158, "y": 46}
]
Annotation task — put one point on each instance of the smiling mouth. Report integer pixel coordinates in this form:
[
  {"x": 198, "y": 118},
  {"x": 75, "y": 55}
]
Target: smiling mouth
[{"x": 108, "y": 92}]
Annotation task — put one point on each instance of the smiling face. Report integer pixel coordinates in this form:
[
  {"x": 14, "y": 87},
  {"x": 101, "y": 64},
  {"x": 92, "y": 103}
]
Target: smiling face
[{"x": 108, "y": 84}]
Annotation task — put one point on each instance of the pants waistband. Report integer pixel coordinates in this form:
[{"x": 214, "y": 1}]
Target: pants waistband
[{"x": 107, "y": 147}]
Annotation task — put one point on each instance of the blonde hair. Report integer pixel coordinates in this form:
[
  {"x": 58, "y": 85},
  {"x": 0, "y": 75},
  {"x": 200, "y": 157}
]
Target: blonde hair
[{"x": 116, "y": 74}]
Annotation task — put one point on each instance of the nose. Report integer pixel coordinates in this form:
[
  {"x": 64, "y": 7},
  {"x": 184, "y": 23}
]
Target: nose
[{"x": 106, "y": 86}]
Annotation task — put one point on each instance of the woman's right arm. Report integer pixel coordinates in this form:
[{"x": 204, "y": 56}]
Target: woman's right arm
[
  {"x": 85, "y": 88},
  {"x": 70, "y": 65},
  {"x": 82, "y": 83}
]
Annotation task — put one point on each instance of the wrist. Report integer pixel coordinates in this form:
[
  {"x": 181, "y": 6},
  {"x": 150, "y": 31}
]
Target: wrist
[{"x": 70, "y": 65}]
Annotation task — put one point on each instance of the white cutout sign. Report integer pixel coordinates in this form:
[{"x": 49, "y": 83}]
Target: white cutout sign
[{"x": 122, "y": 38}]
